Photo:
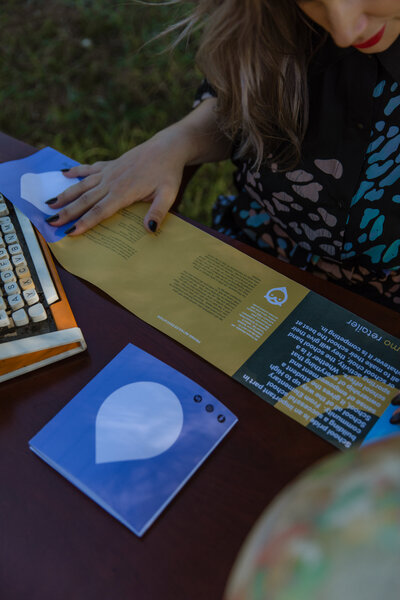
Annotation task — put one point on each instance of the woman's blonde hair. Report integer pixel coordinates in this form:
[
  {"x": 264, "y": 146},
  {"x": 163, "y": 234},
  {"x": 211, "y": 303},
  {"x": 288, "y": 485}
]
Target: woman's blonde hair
[{"x": 255, "y": 54}]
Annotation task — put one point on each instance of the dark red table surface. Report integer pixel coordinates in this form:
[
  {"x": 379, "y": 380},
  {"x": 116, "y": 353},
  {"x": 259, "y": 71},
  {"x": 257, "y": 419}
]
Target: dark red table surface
[{"x": 57, "y": 544}]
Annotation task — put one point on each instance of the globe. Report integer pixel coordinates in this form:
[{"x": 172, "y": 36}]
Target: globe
[{"x": 333, "y": 534}]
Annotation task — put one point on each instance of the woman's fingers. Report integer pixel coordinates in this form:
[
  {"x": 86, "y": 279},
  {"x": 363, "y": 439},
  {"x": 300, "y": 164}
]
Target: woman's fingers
[
  {"x": 83, "y": 170},
  {"x": 77, "y": 191},
  {"x": 395, "y": 418},
  {"x": 82, "y": 205},
  {"x": 109, "y": 186},
  {"x": 105, "y": 207},
  {"x": 74, "y": 191},
  {"x": 101, "y": 210},
  {"x": 163, "y": 200}
]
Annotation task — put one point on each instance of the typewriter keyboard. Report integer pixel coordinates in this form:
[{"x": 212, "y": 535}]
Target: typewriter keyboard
[{"x": 26, "y": 285}]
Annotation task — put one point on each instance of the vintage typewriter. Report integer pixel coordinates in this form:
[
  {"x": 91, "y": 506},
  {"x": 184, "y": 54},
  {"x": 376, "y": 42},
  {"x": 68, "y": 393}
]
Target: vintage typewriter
[{"x": 37, "y": 326}]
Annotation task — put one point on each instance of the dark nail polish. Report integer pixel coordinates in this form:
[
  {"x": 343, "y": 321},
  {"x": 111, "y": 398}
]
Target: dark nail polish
[
  {"x": 64, "y": 170},
  {"x": 152, "y": 226},
  {"x": 396, "y": 400},
  {"x": 70, "y": 230},
  {"x": 51, "y": 201},
  {"x": 52, "y": 218},
  {"x": 395, "y": 419}
]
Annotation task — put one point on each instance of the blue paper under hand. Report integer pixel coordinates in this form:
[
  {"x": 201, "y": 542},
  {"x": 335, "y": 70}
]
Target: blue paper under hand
[{"x": 29, "y": 182}]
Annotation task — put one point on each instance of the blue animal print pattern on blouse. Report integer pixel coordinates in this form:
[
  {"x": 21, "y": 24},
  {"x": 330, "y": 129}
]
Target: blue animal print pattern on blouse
[
  {"x": 337, "y": 214},
  {"x": 376, "y": 200}
]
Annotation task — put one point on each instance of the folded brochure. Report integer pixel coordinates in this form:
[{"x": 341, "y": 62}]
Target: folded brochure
[
  {"x": 331, "y": 371},
  {"x": 133, "y": 436}
]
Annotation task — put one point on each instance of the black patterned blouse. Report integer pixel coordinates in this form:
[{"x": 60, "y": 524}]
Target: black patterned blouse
[{"x": 338, "y": 213}]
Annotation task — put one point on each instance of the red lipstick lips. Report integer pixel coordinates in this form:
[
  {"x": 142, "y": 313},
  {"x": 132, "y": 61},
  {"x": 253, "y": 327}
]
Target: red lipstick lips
[{"x": 372, "y": 41}]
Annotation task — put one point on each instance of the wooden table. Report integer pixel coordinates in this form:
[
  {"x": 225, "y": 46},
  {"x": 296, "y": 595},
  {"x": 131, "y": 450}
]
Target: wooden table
[{"x": 57, "y": 544}]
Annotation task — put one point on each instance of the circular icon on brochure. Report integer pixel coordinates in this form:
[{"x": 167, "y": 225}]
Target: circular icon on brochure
[
  {"x": 221, "y": 419},
  {"x": 209, "y": 408},
  {"x": 277, "y": 296},
  {"x": 197, "y": 398}
]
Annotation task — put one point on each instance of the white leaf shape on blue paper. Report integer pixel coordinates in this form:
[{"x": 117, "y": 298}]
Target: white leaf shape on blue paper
[
  {"x": 36, "y": 188},
  {"x": 137, "y": 421}
]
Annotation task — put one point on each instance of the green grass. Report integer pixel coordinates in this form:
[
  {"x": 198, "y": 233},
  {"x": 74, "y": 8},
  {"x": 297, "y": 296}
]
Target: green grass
[{"x": 79, "y": 75}]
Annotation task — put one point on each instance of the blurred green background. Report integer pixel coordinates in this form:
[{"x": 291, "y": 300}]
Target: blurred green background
[{"x": 84, "y": 77}]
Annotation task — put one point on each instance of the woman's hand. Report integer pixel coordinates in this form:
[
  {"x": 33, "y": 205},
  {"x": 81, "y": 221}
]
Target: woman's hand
[
  {"x": 395, "y": 418},
  {"x": 151, "y": 172}
]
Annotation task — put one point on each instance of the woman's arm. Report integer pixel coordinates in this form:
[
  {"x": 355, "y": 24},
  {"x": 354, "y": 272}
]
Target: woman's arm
[{"x": 151, "y": 172}]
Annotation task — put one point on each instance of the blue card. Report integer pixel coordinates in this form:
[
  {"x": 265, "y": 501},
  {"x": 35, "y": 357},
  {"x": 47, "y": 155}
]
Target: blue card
[
  {"x": 383, "y": 427},
  {"x": 29, "y": 182},
  {"x": 134, "y": 436}
]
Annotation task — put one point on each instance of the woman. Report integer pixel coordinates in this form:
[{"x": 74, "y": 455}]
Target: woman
[{"x": 305, "y": 98}]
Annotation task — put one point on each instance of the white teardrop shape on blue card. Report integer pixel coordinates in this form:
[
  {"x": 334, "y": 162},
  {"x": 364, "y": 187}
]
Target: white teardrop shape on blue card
[
  {"x": 36, "y": 188},
  {"x": 137, "y": 421}
]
